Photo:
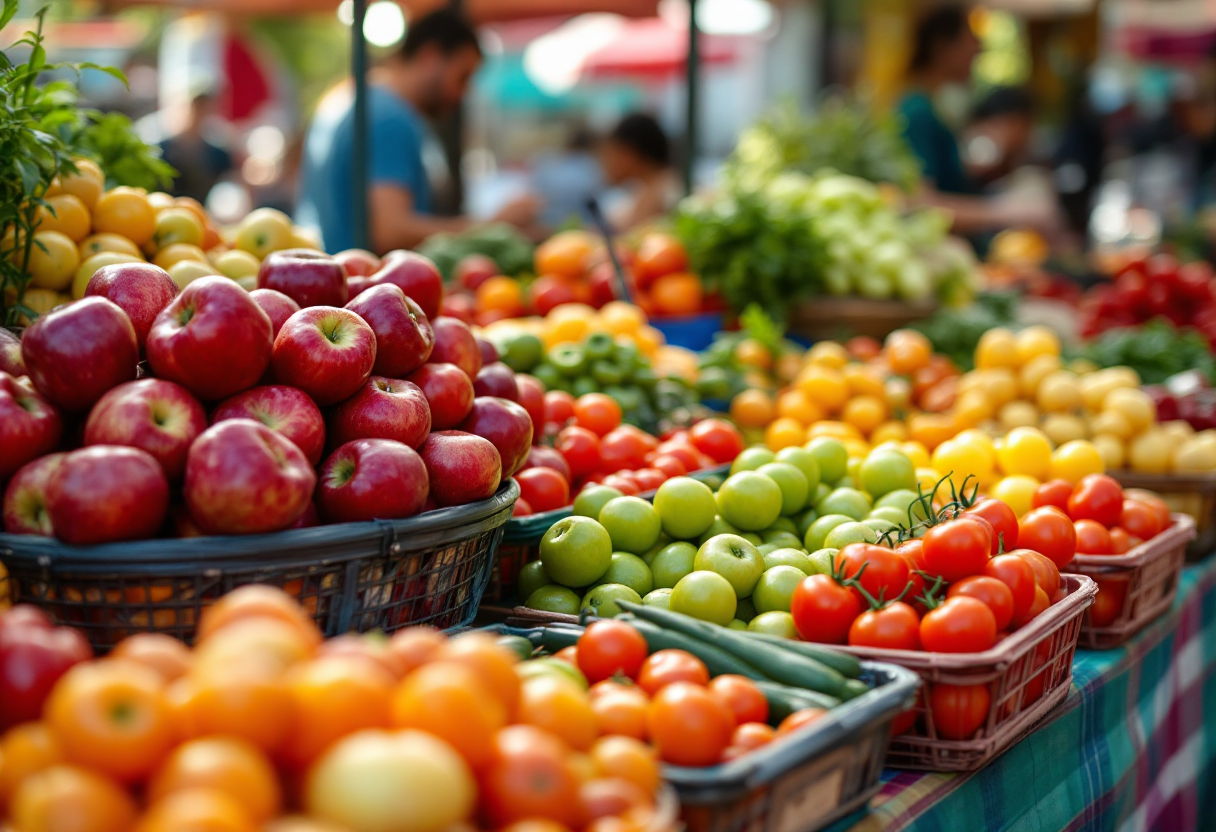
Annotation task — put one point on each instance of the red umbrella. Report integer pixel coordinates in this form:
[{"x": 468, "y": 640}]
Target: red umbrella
[{"x": 654, "y": 47}]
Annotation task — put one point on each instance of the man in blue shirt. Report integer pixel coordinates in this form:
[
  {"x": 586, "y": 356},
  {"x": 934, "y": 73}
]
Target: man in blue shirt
[{"x": 425, "y": 79}]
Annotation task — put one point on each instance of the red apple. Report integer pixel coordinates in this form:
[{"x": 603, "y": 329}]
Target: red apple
[
  {"x": 308, "y": 277},
  {"x": 279, "y": 407},
  {"x": 474, "y": 270},
  {"x": 496, "y": 379},
  {"x": 107, "y": 493},
  {"x": 448, "y": 391},
  {"x": 29, "y": 425},
  {"x": 358, "y": 262},
  {"x": 214, "y": 339},
  {"x": 416, "y": 275},
  {"x": 76, "y": 353},
  {"x": 277, "y": 306},
  {"x": 24, "y": 509},
  {"x": 460, "y": 307},
  {"x": 140, "y": 289},
  {"x": 462, "y": 468},
  {"x": 404, "y": 338},
  {"x": 372, "y": 479},
  {"x": 245, "y": 478},
  {"x": 10, "y": 354},
  {"x": 326, "y": 352},
  {"x": 455, "y": 344},
  {"x": 505, "y": 424},
  {"x": 308, "y": 519},
  {"x": 151, "y": 414},
  {"x": 356, "y": 286},
  {"x": 384, "y": 408},
  {"x": 530, "y": 393},
  {"x": 540, "y": 456},
  {"x": 489, "y": 352}
]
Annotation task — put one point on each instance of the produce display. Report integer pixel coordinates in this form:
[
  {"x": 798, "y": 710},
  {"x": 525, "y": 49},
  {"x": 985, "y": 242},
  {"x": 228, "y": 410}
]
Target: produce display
[{"x": 1147, "y": 288}]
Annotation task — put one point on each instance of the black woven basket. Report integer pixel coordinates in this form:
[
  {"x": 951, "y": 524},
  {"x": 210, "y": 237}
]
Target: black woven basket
[{"x": 386, "y": 574}]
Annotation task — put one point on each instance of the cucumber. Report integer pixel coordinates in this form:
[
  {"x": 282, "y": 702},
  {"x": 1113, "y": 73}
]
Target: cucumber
[
  {"x": 556, "y": 638},
  {"x": 775, "y": 663},
  {"x": 718, "y": 662},
  {"x": 784, "y": 700},
  {"x": 842, "y": 663},
  {"x": 855, "y": 688},
  {"x": 518, "y": 645}
]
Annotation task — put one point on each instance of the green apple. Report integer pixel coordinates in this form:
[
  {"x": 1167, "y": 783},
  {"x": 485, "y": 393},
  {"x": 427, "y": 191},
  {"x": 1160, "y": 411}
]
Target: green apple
[
  {"x": 805, "y": 462},
  {"x": 821, "y": 491},
  {"x": 719, "y": 526},
  {"x": 789, "y": 557},
  {"x": 776, "y": 587},
  {"x": 775, "y": 623},
  {"x": 822, "y": 560},
  {"x": 853, "y": 469},
  {"x": 749, "y": 459},
  {"x": 602, "y": 599},
  {"x": 745, "y": 610},
  {"x": 887, "y": 470},
  {"x": 892, "y": 515},
  {"x": 902, "y": 499},
  {"x": 576, "y": 551},
  {"x": 765, "y": 548},
  {"x": 554, "y": 598},
  {"x": 705, "y": 595},
  {"x": 845, "y": 482},
  {"x": 750, "y": 501},
  {"x": 673, "y": 562},
  {"x": 632, "y": 523},
  {"x": 736, "y": 624},
  {"x": 818, "y": 531},
  {"x": 781, "y": 524},
  {"x": 593, "y": 498},
  {"x": 792, "y": 483},
  {"x": 784, "y": 538},
  {"x": 733, "y": 558},
  {"x": 649, "y": 554},
  {"x": 804, "y": 520},
  {"x": 752, "y": 538},
  {"x": 532, "y": 576},
  {"x": 660, "y": 598},
  {"x": 850, "y": 501},
  {"x": 686, "y": 507},
  {"x": 630, "y": 570},
  {"x": 847, "y": 533},
  {"x": 831, "y": 456}
]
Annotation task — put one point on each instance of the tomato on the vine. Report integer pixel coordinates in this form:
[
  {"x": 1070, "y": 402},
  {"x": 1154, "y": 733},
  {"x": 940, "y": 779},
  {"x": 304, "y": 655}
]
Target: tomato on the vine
[
  {"x": 1140, "y": 519},
  {"x": 883, "y": 573},
  {"x": 958, "y": 711},
  {"x": 956, "y": 549},
  {"x": 893, "y": 627},
  {"x": 1017, "y": 574},
  {"x": 1092, "y": 538},
  {"x": 960, "y": 625},
  {"x": 1052, "y": 493},
  {"x": 992, "y": 592},
  {"x": 1097, "y": 497},
  {"x": 609, "y": 647},
  {"x": 1003, "y": 520},
  {"x": 823, "y": 610},
  {"x": 1049, "y": 532}
]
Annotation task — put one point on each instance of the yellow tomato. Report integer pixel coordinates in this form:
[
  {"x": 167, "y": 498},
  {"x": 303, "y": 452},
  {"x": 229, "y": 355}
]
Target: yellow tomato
[
  {"x": 1151, "y": 452},
  {"x": 1063, "y": 427},
  {"x": 863, "y": 380},
  {"x": 932, "y": 429},
  {"x": 1018, "y": 415},
  {"x": 824, "y": 386},
  {"x": 649, "y": 340},
  {"x": 1112, "y": 450},
  {"x": 1134, "y": 405},
  {"x": 858, "y": 450},
  {"x": 751, "y": 353},
  {"x": 784, "y": 433},
  {"x": 1074, "y": 460},
  {"x": 235, "y": 263},
  {"x": 97, "y": 243},
  {"x": 1197, "y": 454},
  {"x": 177, "y": 225},
  {"x": 1095, "y": 387},
  {"x": 53, "y": 261},
  {"x": 997, "y": 348},
  {"x": 1112, "y": 423},
  {"x": 837, "y": 430},
  {"x": 1016, "y": 491},
  {"x": 1034, "y": 341},
  {"x": 916, "y": 452},
  {"x": 185, "y": 272},
  {"x": 999, "y": 384},
  {"x": 794, "y": 404},
  {"x": 1034, "y": 371},
  {"x": 264, "y": 230},
  {"x": 125, "y": 211},
  {"x": 66, "y": 214},
  {"x": 829, "y": 354},
  {"x": 865, "y": 413},
  {"x": 891, "y": 431},
  {"x": 926, "y": 478},
  {"x": 981, "y": 440},
  {"x": 621, "y": 318},
  {"x": 961, "y": 460},
  {"x": 178, "y": 252},
  {"x": 1058, "y": 392},
  {"x": 898, "y": 392},
  {"x": 972, "y": 408},
  {"x": 1025, "y": 451},
  {"x": 1178, "y": 429},
  {"x": 752, "y": 409},
  {"x": 86, "y": 184}
]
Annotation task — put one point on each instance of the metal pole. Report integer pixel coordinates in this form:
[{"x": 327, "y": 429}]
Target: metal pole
[
  {"x": 694, "y": 84},
  {"x": 360, "y": 149}
]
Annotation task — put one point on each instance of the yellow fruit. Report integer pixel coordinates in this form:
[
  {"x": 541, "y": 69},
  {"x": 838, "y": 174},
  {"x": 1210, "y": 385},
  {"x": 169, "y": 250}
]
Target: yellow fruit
[
  {"x": 865, "y": 413},
  {"x": 305, "y": 238},
  {"x": 752, "y": 409},
  {"x": 1111, "y": 423},
  {"x": 621, "y": 318},
  {"x": 1112, "y": 449},
  {"x": 892, "y": 431},
  {"x": 1196, "y": 455},
  {"x": 786, "y": 367},
  {"x": 125, "y": 211},
  {"x": 1134, "y": 405},
  {"x": 185, "y": 272},
  {"x": 997, "y": 348},
  {"x": 1058, "y": 392},
  {"x": 43, "y": 300},
  {"x": 178, "y": 252},
  {"x": 793, "y": 404},
  {"x": 1017, "y": 415},
  {"x": 823, "y": 386},
  {"x": 1016, "y": 491},
  {"x": 1178, "y": 429},
  {"x": 1074, "y": 460},
  {"x": 160, "y": 200},
  {"x": 972, "y": 408},
  {"x": 1033, "y": 372},
  {"x": 649, "y": 340},
  {"x": 1151, "y": 452},
  {"x": 751, "y": 353},
  {"x": 236, "y": 263},
  {"x": 1063, "y": 427},
  {"x": 66, "y": 214},
  {"x": 829, "y": 354},
  {"x": 926, "y": 478},
  {"x": 1082, "y": 366},
  {"x": 830, "y": 427},
  {"x": 784, "y": 433},
  {"x": 981, "y": 440},
  {"x": 264, "y": 230},
  {"x": 251, "y": 283},
  {"x": 107, "y": 258},
  {"x": 1025, "y": 451},
  {"x": 962, "y": 460},
  {"x": 863, "y": 380},
  {"x": 1034, "y": 341},
  {"x": 916, "y": 452},
  {"x": 999, "y": 384},
  {"x": 53, "y": 261},
  {"x": 177, "y": 225},
  {"x": 97, "y": 243},
  {"x": 857, "y": 449},
  {"x": 86, "y": 184},
  {"x": 1095, "y": 387},
  {"x": 898, "y": 392}
]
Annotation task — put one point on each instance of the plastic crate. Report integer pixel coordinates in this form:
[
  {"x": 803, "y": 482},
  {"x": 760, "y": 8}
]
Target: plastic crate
[
  {"x": 692, "y": 332},
  {"x": 1191, "y": 494},
  {"x": 386, "y": 574},
  {"x": 1027, "y": 675},
  {"x": 1146, "y": 577}
]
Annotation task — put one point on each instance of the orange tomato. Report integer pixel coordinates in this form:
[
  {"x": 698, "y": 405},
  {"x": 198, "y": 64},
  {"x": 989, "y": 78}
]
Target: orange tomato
[
  {"x": 864, "y": 379},
  {"x": 752, "y": 735},
  {"x": 561, "y": 708},
  {"x": 268, "y": 643},
  {"x": 370, "y": 647},
  {"x": 752, "y": 409},
  {"x": 453, "y": 703},
  {"x": 257, "y": 601},
  {"x": 233, "y": 766},
  {"x": 794, "y": 404},
  {"x": 528, "y": 776},
  {"x": 628, "y": 758},
  {"x": 741, "y": 696},
  {"x": 784, "y": 432},
  {"x": 677, "y": 294},
  {"x": 931, "y": 429},
  {"x": 824, "y": 386},
  {"x": 125, "y": 211},
  {"x": 908, "y": 351},
  {"x": 111, "y": 716},
  {"x": 663, "y": 667},
  {"x": 800, "y": 718},
  {"x": 611, "y": 797},
  {"x": 69, "y": 799},
  {"x": 565, "y": 254},
  {"x": 689, "y": 726},
  {"x": 415, "y": 646},
  {"x": 163, "y": 653},
  {"x": 621, "y": 712},
  {"x": 568, "y": 655},
  {"x": 66, "y": 214},
  {"x": 25, "y": 750},
  {"x": 86, "y": 184},
  {"x": 501, "y": 294},
  {"x": 493, "y": 664},
  {"x": 239, "y": 701},
  {"x": 298, "y": 823},
  {"x": 201, "y": 809},
  {"x": 865, "y": 413},
  {"x": 331, "y": 697},
  {"x": 658, "y": 255}
]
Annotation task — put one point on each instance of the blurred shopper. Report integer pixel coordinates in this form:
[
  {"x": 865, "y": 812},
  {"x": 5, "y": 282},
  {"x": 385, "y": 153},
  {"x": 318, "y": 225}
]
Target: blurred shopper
[
  {"x": 425, "y": 79},
  {"x": 196, "y": 150},
  {"x": 636, "y": 156},
  {"x": 566, "y": 179}
]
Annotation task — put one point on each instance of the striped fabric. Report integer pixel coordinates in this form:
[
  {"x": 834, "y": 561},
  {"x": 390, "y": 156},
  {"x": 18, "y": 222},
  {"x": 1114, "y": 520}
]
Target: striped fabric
[{"x": 1128, "y": 751}]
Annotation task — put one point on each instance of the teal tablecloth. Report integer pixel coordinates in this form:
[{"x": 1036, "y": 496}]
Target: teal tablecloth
[{"x": 1129, "y": 749}]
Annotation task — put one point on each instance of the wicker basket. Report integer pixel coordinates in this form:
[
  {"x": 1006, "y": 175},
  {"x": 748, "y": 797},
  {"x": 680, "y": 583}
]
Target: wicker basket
[
  {"x": 1133, "y": 588},
  {"x": 1192, "y": 494},
  {"x": 1027, "y": 675},
  {"x": 429, "y": 569}
]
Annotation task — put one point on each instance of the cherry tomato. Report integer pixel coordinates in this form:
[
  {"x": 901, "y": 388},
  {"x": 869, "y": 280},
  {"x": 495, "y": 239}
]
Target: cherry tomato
[
  {"x": 799, "y": 719},
  {"x": 623, "y": 483},
  {"x": 609, "y": 647},
  {"x": 992, "y": 592},
  {"x": 543, "y": 488},
  {"x": 1017, "y": 574},
  {"x": 1159, "y": 507},
  {"x": 1052, "y": 493},
  {"x": 960, "y": 625},
  {"x": 597, "y": 413},
  {"x": 1092, "y": 538},
  {"x": 884, "y": 574},
  {"x": 623, "y": 449},
  {"x": 688, "y": 725},
  {"x": 1120, "y": 541},
  {"x": 824, "y": 610},
  {"x": 958, "y": 711},
  {"x": 664, "y": 667},
  {"x": 912, "y": 552},
  {"x": 581, "y": 448},
  {"x": 669, "y": 464},
  {"x": 649, "y": 479},
  {"x": 718, "y": 439},
  {"x": 1041, "y": 602},
  {"x": 741, "y": 696},
  {"x": 1097, "y": 497},
  {"x": 1046, "y": 573},
  {"x": 683, "y": 451},
  {"x": 893, "y": 627},
  {"x": 1003, "y": 520},
  {"x": 956, "y": 549},
  {"x": 749, "y": 736},
  {"x": 1140, "y": 519},
  {"x": 1108, "y": 603},
  {"x": 559, "y": 407},
  {"x": 1049, "y": 532}
]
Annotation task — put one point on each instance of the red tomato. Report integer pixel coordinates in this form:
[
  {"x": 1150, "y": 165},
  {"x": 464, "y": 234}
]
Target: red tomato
[
  {"x": 559, "y": 407},
  {"x": 1004, "y": 523},
  {"x": 1041, "y": 602},
  {"x": 1097, "y": 497},
  {"x": 958, "y": 711},
  {"x": 717, "y": 438},
  {"x": 1092, "y": 538},
  {"x": 670, "y": 464},
  {"x": 684, "y": 452},
  {"x": 750, "y": 736},
  {"x": 894, "y": 627},
  {"x": 960, "y": 625},
  {"x": 609, "y": 647},
  {"x": 1140, "y": 519},
  {"x": 529, "y": 776},
  {"x": 581, "y": 448},
  {"x": 543, "y": 488},
  {"x": 912, "y": 551},
  {"x": 521, "y": 508},
  {"x": 666, "y": 666},
  {"x": 1052, "y": 493},
  {"x": 688, "y": 725},
  {"x": 903, "y": 723},
  {"x": 884, "y": 574},
  {"x": 741, "y": 696},
  {"x": 597, "y": 413},
  {"x": 992, "y": 592},
  {"x": 623, "y": 483},
  {"x": 1049, "y": 532},
  {"x": 1108, "y": 603},
  {"x": 1017, "y": 574},
  {"x": 568, "y": 654},
  {"x": 649, "y": 479},
  {"x": 1120, "y": 541},
  {"x": 622, "y": 449},
  {"x": 1046, "y": 573},
  {"x": 824, "y": 610},
  {"x": 956, "y": 549},
  {"x": 799, "y": 719},
  {"x": 1159, "y": 507}
]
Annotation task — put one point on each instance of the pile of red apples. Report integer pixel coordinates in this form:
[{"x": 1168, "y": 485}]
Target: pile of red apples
[{"x": 333, "y": 393}]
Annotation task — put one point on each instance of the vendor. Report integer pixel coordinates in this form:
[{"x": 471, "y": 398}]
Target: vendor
[
  {"x": 636, "y": 156},
  {"x": 425, "y": 79}
]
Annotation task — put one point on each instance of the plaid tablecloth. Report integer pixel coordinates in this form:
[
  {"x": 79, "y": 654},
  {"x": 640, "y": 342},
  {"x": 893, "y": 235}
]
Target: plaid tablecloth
[{"x": 1128, "y": 751}]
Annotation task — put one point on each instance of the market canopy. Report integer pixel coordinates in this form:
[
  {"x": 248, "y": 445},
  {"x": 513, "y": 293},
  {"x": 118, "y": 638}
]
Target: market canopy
[{"x": 481, "y": 11}]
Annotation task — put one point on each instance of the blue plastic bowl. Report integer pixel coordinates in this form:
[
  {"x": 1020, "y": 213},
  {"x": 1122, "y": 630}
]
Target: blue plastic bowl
[{"x": 693, "y": 332}]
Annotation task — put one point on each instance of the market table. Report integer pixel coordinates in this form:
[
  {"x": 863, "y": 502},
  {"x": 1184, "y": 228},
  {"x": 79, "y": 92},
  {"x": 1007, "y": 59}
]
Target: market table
[{"x": 1128, "y": 750}]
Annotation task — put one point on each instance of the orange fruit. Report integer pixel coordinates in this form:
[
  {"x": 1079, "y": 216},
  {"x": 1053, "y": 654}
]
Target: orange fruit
[
  {"x": 621, "y": 318},
  {"x": 501, "y": 294},
  {"x": 164, "y": 654},
  {"x": 752, "y": 353},
  {"x": 794, "y": 404},
  {"x": 450, "y": 701},
  {"x": 125, "y": 211},
  {"x": 415, "y": 646},
  {"x": 829, "y": 354},
  {"x": 299, "y": 823},
  {"x": 628, "y": 758},
  {"x": 196, "y": 810},
  {"x": 565, "y": 254},
  {"x": 267, "y": 643},
  {"x": 70, "y": 799},
  {"x": 160, "y": 200},
  {"x": 66, "y": 214},
  {"x": 908, "y": 351},
  {"x": 25, "y": 750},
  {"x": 233, "y": 766},
  {"x": 784, "y": 432},
  {"x": 932, "y": 429},
  {"x": 493, "y": 664},
  {"x": 865, "y": 413},
  {"x": 752, "y": 409},
  {"x": 193, "y": 206},
  {"x": 824, "y": 386},
  {"x": 677, "y": 294},
  {"x": 86, "y": 184},
  {"x": 659, "y": 255},
  {"x": 621, "y": 712},
  {"x": 334, "y": 696},
  {"x": 238, "y": 701},
  {"x": 53, "y": 261},
  {"x": 257, "y": 601},
  {"x": 863, "y": 380},
  {"x": 649, "y": 340},
  {"x": 561, "y": 708}
]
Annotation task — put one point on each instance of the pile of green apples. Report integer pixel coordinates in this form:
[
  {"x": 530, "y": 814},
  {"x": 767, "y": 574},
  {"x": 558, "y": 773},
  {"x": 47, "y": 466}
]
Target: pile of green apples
[{"x": 733, "y": 557}]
